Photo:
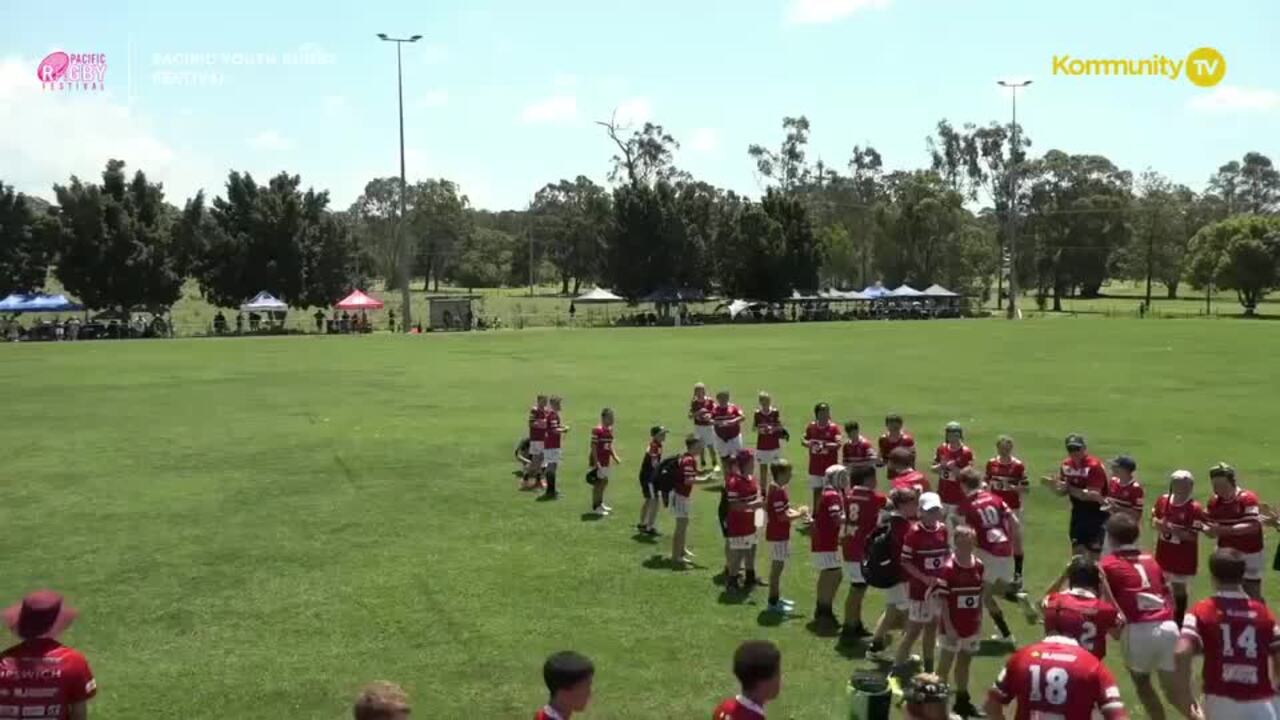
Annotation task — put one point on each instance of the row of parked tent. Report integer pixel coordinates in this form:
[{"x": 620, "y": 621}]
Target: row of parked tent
[
  {"x": 17, "y": 304},
  {"x": 871, "y": 292}
]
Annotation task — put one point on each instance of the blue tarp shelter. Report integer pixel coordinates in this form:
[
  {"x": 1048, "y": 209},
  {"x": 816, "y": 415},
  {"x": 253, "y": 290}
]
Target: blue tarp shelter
[{"x": 38, "y": 303}]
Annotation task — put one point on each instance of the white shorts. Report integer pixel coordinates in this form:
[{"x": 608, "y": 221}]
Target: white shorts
[
  {"x": 551, "y": 456},
  {"x": 995, "y": 568},
  {"x": 1149, "y": 646},
  {"x": 779, "y": 550},
  {"x": 922, "y": 611},
  {"x": 968, "y": 645},
  {"x": 603, "y": 472},
  {"x": 706, "y": 434},
  {"x": 853, "y": 573},
  {"x": 742, "y": 542},
  {"x": 728, "y": 448},
  {"x": 897, "y": 596},
  {"x": 535, "y": 448},
  {"x": 1217, "y": 707},
  {"x": 1176, "y": 579},
  {"x": 816, "y": 482},
  {"x": 826, "y": 560},
  {"x": 681, "y": 505},
  {"x": 1253, "y": 566},
  {"x": 767, "y": 457}
]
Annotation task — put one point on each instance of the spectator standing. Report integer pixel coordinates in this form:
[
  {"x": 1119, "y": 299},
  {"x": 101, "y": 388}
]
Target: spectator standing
[
  {"x": 319, "y": 316},
  {"x": 40, "y": 674},
  {"x": 382, "y": 701}
]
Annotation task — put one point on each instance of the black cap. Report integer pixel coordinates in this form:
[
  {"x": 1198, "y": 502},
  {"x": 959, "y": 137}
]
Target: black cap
[
  {"x": 653, "y": 431},
  {"x": 1075, "y": 441},
  {"x": 1125, "y": 462}
]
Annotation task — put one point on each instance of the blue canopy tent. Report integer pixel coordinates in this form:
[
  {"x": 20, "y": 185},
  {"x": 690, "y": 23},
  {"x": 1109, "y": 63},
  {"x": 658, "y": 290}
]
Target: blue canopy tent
[
  {"x": 874, "y": 292},
  {"x": 12, "y": 304},
  {"x": 38, "y": 303}
]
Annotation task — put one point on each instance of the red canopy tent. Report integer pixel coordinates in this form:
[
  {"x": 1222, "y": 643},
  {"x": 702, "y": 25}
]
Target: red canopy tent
[{"x": 357, "y": 300}]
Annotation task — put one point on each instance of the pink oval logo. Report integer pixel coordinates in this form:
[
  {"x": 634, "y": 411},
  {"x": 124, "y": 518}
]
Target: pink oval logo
[{"x": 53, "y": 67}]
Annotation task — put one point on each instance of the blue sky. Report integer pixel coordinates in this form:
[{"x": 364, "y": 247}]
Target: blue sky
[{"x": 500, "y": 96}]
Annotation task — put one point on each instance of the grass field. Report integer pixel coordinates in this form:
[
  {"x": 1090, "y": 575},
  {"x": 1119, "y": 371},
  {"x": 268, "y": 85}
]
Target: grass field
[{"x": 253, "y": 528}]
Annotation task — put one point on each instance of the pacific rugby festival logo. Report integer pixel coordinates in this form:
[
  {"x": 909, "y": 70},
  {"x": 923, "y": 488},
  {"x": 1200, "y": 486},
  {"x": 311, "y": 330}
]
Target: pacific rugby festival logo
[
  {"x": 1203, "y": 66},
  {"x": 73, "y": 71}
]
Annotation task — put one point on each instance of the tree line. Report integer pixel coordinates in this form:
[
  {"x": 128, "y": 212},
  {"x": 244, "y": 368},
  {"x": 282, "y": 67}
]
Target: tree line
[{"x": 1077, "y": 220}]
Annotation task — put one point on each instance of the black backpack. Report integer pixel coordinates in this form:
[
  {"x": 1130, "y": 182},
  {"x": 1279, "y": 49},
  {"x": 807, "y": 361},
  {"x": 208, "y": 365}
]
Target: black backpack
[
  {"x": 880, "y": 567},
  {"x": 668, "y": 474}
]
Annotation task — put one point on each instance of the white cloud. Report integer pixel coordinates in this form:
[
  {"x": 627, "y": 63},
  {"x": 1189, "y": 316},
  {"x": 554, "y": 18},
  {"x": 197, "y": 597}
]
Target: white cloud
[
  {"x": 434, "y": 99},
  {"x": 334, "y": 105},
  {"x": 434, "y": 54},
  {"x": 557, "y": 109},
  {"x": 270, "y": 140},
  {"x": 809, "y": 12},
  {"x": 1235, "y": 99},
  {"x": 705, "y": 140},
  {"x": 633, "y": 112}
]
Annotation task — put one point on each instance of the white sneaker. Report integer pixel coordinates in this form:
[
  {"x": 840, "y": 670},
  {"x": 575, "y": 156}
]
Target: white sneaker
[{"x": 606, "y": 508}]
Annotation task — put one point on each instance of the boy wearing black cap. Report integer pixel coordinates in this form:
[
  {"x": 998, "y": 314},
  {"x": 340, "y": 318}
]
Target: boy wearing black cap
[
  {"x": 568, "y": 676},
  {"x": 41, "y": 673},
  {"x": 649, "y": 480},
  {"x": 1083, "y": 479},
  {"x": 1124, "y": 492}
]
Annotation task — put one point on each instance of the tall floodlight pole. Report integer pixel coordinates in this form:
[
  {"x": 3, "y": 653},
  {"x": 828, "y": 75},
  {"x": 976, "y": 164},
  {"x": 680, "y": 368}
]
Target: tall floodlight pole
[
  {"x": 401, "y": 243},
  {"x": 1011, "y": 224}
]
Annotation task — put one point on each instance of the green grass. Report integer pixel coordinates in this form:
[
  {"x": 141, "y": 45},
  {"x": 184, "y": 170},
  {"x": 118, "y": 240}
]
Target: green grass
[{"x": 253, "y": 528}]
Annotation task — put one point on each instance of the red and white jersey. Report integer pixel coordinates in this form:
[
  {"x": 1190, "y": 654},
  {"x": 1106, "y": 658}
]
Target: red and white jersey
[
  {"x": 602, "y": 445},
  {"x": 987, "y": 514},
  {"x": 857, "y": 452},
  {"x": 1177, "y": 555},
  {"x": 888, "y": 444},
  {"x": 41, "y": 678},
  {"x": 700, "y": 410},
  {"x": 1126, "y": 496},
  {"x": 1243, "y": 508},
  {"x": 720, "y": 414},
  {"x": 1138, "y": 585},
  {"x": 776, "y": 504},
  {"x": 1056, "y": 678},
  {"x": 768, "y": 425},
  {"x": 960, "y": 588},
  {"x": 823, "y": 441},
  {"x": 827, "y": 519},
  {"x": 913, "y": 479},
  {"x": 554, "y": 430},
  {"x": 926, "y": 549},
  {"x": 688, "y": 473},
  {"x": 741, "y": 489},
  {"x": 1237, "y": 635},
  {"x": 537, "y": 424},
  {"x": 1087, "y": 473},
  {"x": 1083, "y": 617},
  {"x": 949, "y": 486},
  {"x": 862, "y": 508},
  {"x": 738, "y": 708},
  {"x": 548, "y": 713},
  {"x": 1006, "y": 478}
]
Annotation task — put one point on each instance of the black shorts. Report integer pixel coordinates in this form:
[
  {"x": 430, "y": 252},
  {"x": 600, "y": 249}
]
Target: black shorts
[
  {"x": 1088, "y": 531},
  {"x": 723, "y": 512},
  {"x": 648, "y": 488}
]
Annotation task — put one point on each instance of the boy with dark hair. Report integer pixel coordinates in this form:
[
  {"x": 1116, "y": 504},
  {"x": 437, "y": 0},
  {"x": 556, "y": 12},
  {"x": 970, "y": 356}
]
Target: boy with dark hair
[
  {"x": 777, "y": 532},
  {"x": 895, "y": 436},
  {"x": 758, "y": 666},
  {"x": 649, "y": 480},
  {"x": 551, "y": 445},
  {"x": 1084, "y": 612},
  {"x": 863, "y": 505},
  {"x": 382, "y": 701},
  {"x": 603, "y": 458},
  {"x": 682, "y": 500},
  {"x": 742, "y": 492},
  {"x": 568, "y": 676}
]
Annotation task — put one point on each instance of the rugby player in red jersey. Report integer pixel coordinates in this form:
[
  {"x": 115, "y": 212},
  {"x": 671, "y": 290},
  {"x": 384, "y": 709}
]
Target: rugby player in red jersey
[
  {"x": 727, "y": 419},
  {"x": 1007, "y": 477},
  {"x": 767, "y": 422},
  {"x": 904, "y": 504},
  {"x": 682, "y": 501},
  {"x": 568, "y": 676},
  {"x": 758, "y": 666},
  {"x": 1083, "y": 479},
  {"x": 537, "y": 441},
  {"x": 1055, "y": 678},
  {"x": 40, "y": 677},
  {"x": 822, "y": 438},
  {"x": 743, "y": 493},
  {"x": 998, "y": 530},
  {"x": 925, "y": 550},
  {"x": 1081, "y": 612},
  {"x": 857, "y": 451},
  {"x": 862, "y": 507},
  {"x": 894, "y": 436},
  {"x": 602, "y": 460},
  {"x": 1237, "y": 636},
  {"x": 1150, "y": 635},
  {"x": 1124, "y": 492},
  {"x": 960, "y": 590},
  {"x": 1233, "y": 517},
  {"x": 700, "y": 413},
  {"x": 777, "y": 531},
  {"x": 903, "y": 475},
  {"x": 824, "y": 542},
  {"x": 1177, "y": 518},
  {"x": 551, "y": 445},
  {"x": 949, "y": 459}
]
